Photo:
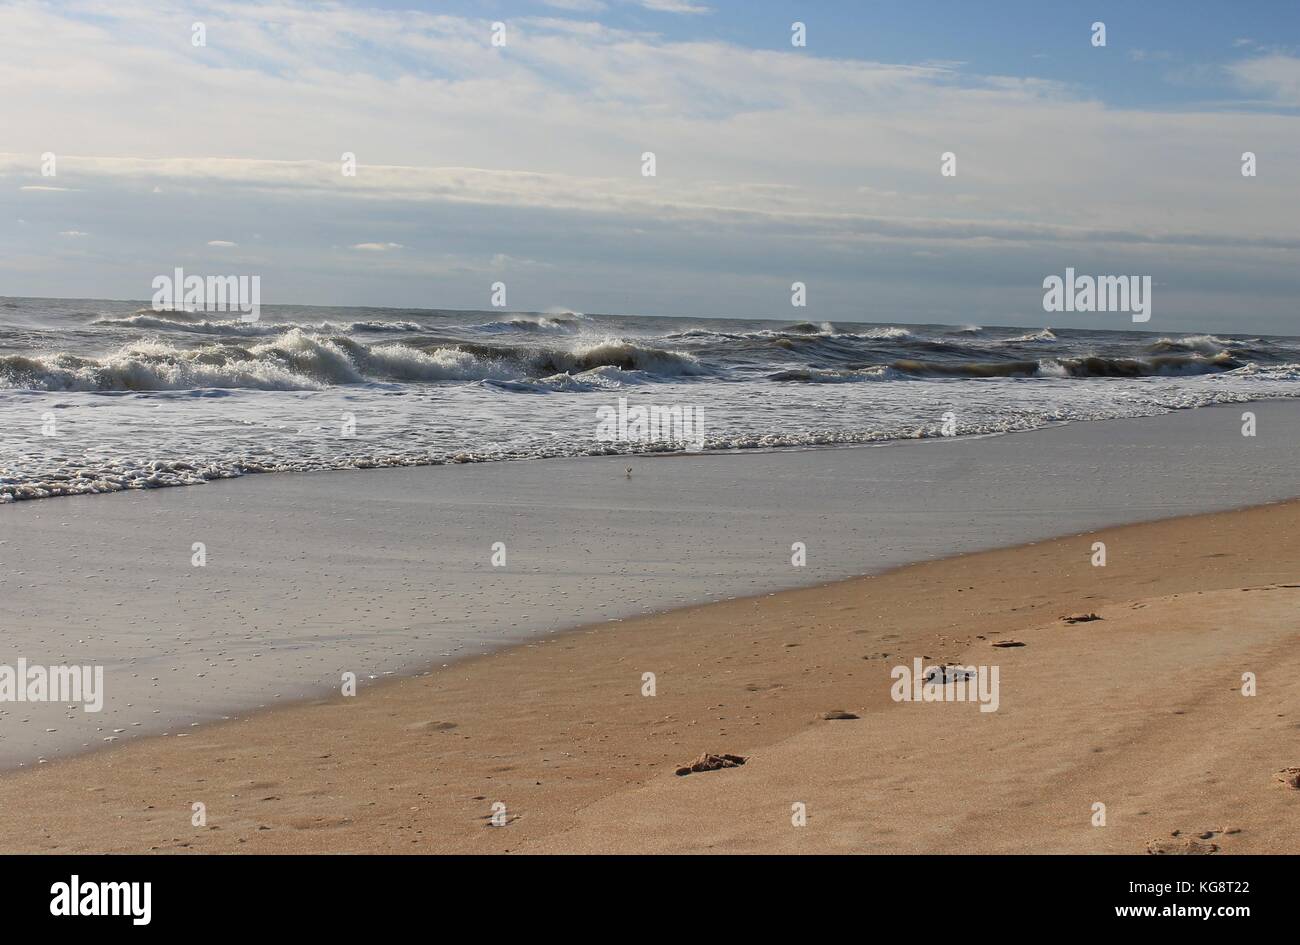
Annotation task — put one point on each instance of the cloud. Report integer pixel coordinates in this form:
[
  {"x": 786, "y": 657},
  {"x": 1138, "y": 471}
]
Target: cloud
[
  {"x": 39, "y": 187},
  {"x": 378, "y": 247},
  {"x": 1277, "y": 77},
  {"x": 577, "y": 6},
  {"x": 674, "y": 6},
  {"x": 222, "y": 244},
  {"x": 73, "y": 233}
]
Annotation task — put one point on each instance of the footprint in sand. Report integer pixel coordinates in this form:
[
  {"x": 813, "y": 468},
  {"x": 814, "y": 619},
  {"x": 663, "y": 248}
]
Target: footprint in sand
[
  {"x": 319, "y": 823},
  {"x": 259, "y": 785},
  {"x": 1178, "y": 844},
  {"x": 431, "y": 726},
  {"x": 834, "y": 714},
  {"x": 1080, "y": 618}
]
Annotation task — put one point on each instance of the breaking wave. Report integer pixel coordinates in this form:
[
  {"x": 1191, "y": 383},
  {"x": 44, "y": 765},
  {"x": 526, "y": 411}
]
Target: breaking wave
[
  {"x": 203, "y": 395},
  {"x": 1044, "y": 336},
  {"x": 301, "y": 360}
]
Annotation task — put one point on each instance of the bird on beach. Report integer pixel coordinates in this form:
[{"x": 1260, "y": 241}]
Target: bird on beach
[{"x": 629, "y": 472}]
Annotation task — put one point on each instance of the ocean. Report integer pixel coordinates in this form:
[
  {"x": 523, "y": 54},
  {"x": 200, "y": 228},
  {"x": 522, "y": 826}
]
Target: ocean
[{"x": 101, "y": 396}]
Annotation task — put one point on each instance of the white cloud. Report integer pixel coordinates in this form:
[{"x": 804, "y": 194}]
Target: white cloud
[
  {"x": 222, "y": 244},
  {"x": 73, "y": 234},
  {"x": 674, "y": 6},
  {"x": 378, "y": 247},
  {"x": 577, "y": 6},
  {"x": 1275, "y": 76}
]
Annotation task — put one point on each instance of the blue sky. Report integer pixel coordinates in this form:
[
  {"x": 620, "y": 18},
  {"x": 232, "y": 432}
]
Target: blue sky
[
  {"x": 522, "y": 164},
  {"x": 1159, "y": 52}
]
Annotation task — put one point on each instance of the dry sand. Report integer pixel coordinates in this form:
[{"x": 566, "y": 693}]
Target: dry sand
[{"x": 1141, "y": 710}]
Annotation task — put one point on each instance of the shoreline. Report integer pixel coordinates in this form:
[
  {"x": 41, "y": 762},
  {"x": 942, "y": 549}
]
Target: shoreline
[
  {"x": 646, "y": 455},
  {"x": 298, "y": 778},
  {"x": 406, "y": 584}
]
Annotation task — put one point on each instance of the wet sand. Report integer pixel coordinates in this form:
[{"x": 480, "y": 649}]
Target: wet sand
[{"x": 377, "y": 572}]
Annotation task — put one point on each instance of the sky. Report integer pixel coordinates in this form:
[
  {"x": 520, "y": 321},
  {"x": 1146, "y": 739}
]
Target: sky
[{"x": 522, "y": 163}]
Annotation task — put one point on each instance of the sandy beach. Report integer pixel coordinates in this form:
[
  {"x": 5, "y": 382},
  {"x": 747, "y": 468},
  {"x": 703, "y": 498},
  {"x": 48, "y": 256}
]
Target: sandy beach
[
  {"x": 625, "y": 427},
  {"x": 1141, "y": 710}
]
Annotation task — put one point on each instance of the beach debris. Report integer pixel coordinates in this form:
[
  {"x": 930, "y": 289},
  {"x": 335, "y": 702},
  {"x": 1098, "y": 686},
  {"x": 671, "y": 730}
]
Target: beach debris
[
  {"x": 709, "y": 762},
  {"x": 628, "y": 473},
  {"x": 1006, "y": 643},
  {"x": 1290, "y": 777},
  {"x": 1180, "y": 846},
  {"x": 947, "y": 674},
  {"x": 1080, "y": 618},
  {"x": 833, "y": 714}
]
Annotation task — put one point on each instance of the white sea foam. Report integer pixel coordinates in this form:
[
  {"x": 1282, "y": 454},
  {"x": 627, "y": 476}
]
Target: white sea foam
[
  {"x": 1043, "y": 336},
  {"x": 115, "y": 398}
]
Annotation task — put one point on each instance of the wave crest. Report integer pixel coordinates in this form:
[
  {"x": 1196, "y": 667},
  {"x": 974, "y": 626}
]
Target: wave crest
[{"x": 302, "y": 360}]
